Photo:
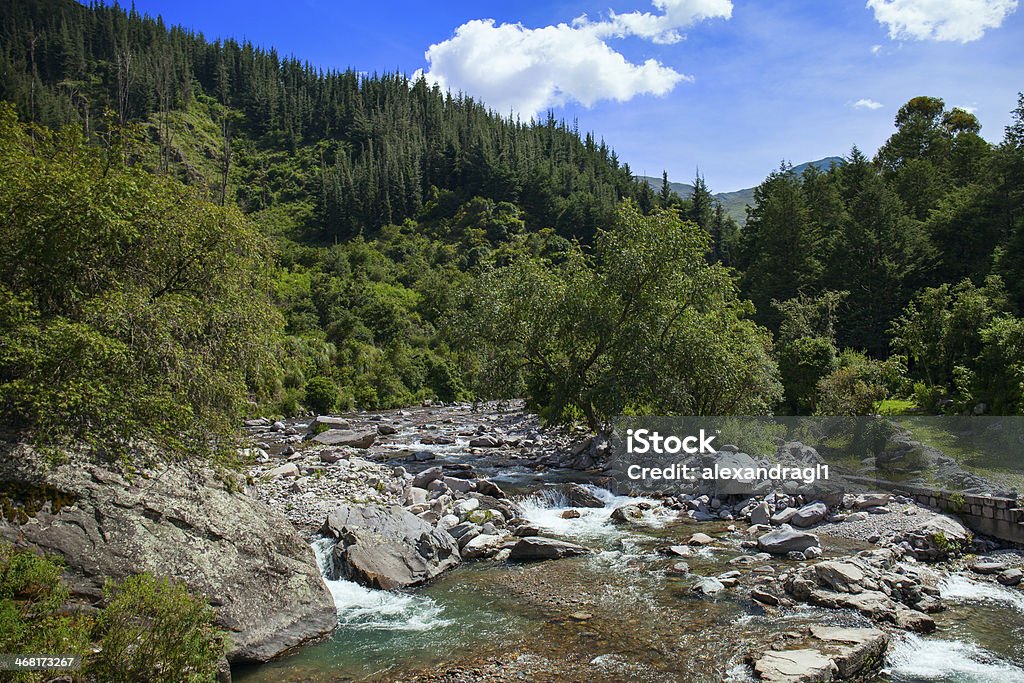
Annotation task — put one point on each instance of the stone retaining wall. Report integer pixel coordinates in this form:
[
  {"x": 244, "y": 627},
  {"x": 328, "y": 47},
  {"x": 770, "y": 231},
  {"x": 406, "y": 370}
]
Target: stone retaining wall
[{"x": 1001, "y": 518}]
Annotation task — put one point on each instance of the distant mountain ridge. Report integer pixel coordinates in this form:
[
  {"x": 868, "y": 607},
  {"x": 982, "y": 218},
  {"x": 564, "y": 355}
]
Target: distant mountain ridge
[{"x": 735, "y": 203}]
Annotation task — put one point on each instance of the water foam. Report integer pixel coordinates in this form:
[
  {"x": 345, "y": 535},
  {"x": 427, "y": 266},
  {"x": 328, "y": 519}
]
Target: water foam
[
  {"x": 361, "y": 608},
  {"x": 546, "y": 506},
  {"x": 912, "y": 658},
  {"x": 959, "y": 588}
]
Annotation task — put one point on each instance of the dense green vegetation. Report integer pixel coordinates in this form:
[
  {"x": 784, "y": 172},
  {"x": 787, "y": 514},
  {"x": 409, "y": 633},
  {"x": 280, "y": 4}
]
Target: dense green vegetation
[
  {"x": 131, "y": 309},
  {"x": 643, "y": 324},
  {"x": 145, "y": 629},
  {"x": 193, "y": 230},
  {"x": 914, "y": 254}
]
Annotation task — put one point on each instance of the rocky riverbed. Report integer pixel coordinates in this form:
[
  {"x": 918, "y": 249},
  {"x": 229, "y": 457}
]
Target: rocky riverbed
[{"x": 467, "y": 544}]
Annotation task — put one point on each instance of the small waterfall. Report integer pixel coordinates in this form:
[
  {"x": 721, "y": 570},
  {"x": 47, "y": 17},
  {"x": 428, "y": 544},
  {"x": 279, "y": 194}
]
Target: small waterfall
[
  {"x": 544, "y": 508},
  {"x": 912, "y": 658},
  {"x": 959, "y": 588},
  {"x": 366, "y": 609}
]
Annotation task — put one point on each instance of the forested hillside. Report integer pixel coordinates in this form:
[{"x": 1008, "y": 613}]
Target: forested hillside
[{"x": 403, "y": 244}]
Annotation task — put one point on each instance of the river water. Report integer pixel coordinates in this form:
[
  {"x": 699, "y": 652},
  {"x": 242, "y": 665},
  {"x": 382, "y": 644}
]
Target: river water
[{"x": 618, "y": 615}]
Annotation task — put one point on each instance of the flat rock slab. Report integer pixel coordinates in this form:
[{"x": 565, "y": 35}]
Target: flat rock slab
[
  {"x": 346, "y": 437},
  {"x": 795, "y": 666},
  {"x": 825, "y": 653},
  {"x": 855, "y": 651},
  {"x": 532, "y": 548}
]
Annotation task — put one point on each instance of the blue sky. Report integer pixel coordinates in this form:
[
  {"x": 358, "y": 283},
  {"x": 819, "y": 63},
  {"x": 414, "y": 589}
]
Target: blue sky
[{"x": 732, "y": 87}]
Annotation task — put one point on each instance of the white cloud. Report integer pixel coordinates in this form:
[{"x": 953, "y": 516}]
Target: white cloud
[
  {"x": 867, "y": 103},
  {"x": 876, "y": 49},
  {"x": 527, "y": 70},
  {"x": 953, "y": 20}
]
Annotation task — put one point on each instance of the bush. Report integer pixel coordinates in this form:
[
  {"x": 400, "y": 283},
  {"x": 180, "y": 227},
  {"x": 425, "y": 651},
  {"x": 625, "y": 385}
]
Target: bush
[
  {"x": 31, "y": 597},
  {"x": 153, "y": 630},
  {"x": 803, "y": 362},
  {"x": 321, "y": 395}
]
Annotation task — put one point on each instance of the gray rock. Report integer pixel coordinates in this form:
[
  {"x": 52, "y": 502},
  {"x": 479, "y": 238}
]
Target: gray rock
[
  {"x": 333, "y": 422},
  {"x": 760, "y": 514},
  {"x": 486, "y": 441},
  {"x": 786, "y": 539},
  {"x": 795, "y": 666},
  {"x": 764, "y": 597},
  {"x": 423, "y": 479},
  {"x": 783, "y": 516},
  {"x": 388, "y": 547},
  {"x": 631, "y": 514},
  {"x": 700, "y": 539},
  {"x": 386, "y": 429},
  {"x": 580, "y": 496},
  {"x": 483, "y": 545},
  {"x": 489, "y": 488},
  {"x": 532, "y": 548},
  {"x": 708, "y": 586},
  {"x": 346, "y": 437},
  {"x": 855, "y": 651},
  {"x": 1010, "y": 577},
  {"x": 287, "y": 470},
  {"x": 460, "y": 485},
  {"x": 809, "y": 515},
  {"x": 845, "y": 577},
  {"x": 185, "y": 524},
  {"x": 988, "y": 567},
  {"x": 870, "y": 500},
  {"x": 937, "y": 538}
]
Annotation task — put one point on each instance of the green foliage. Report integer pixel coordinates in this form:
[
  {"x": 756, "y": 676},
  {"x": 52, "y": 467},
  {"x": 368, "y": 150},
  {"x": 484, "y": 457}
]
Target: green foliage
[
  {"x": 646, "y": 323},
  {"x": 963, "y": 342},
  {"x": 132, "y": 309},
  {"x": 321, "y": 395},
  {"x": 803, "y": 363},
  {"x": 154, "y": 630},
  {"x": 859, "y": 384},
  {"x": 386, "y": 199},
  {"x": 31, "y": 599}
]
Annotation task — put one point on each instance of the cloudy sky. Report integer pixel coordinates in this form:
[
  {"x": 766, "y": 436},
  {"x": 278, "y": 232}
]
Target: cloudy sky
[{"x": 730, "y": 86}]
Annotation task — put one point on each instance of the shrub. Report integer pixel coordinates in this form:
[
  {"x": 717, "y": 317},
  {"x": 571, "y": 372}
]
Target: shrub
[
  {"x": 803, "y": 362},
  {"x": 321, "y": 395},
  {"x": 31, "y": 597},
  {"x": 153, "y": 630}
]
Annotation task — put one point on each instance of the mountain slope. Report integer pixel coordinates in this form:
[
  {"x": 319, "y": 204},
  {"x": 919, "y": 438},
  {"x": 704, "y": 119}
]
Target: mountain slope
[{"x": 735, "y": 203}]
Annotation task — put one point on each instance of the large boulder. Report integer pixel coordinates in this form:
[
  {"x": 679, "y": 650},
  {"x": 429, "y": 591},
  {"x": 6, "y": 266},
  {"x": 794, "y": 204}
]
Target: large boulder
[
  {"x": 388, "y": 547},
  {"x": 825, "y": 653},
  {"x": 629, "y": 513},
  {"x": 937, "y": 537},
  {"x": 244, "y": 558},
  {"x": 739, "y": 486},
  {"x": 785, "y": 540}
]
